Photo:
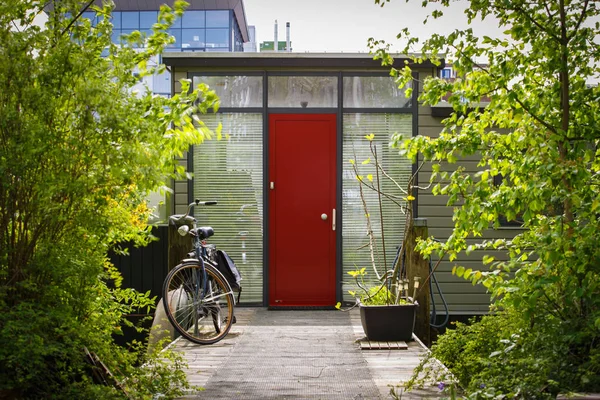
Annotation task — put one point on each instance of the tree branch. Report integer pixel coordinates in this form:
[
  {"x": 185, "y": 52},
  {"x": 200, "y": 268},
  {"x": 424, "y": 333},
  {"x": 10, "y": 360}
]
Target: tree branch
[
  {"x": 583, "y": 12},
  {"x": 505, "y": 87},
  {"x": 77, "y": 17},
  {"x": 536, "y": 23}
]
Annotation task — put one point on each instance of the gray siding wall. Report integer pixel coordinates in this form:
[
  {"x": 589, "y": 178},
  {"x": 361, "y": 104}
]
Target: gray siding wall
[{"x": 461, "y": 295}]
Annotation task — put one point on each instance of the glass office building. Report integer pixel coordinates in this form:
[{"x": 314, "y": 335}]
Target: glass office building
[
  {"x": 197, "y": 30},
  {"x": 222, "y": 28}
]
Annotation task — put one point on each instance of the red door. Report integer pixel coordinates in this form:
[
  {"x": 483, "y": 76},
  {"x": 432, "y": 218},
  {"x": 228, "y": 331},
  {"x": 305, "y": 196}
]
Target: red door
[{"x": 302, "y": 194}]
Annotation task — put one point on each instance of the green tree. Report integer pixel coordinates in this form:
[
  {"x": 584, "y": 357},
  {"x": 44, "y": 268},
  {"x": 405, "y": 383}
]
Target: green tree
[
  {"x": 79, "y": 153},
  {"x": 537, "y": 138}
]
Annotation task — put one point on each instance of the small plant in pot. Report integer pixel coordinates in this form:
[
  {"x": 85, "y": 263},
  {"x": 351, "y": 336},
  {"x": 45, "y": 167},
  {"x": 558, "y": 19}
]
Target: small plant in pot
[{"x": 387, "y": 308}]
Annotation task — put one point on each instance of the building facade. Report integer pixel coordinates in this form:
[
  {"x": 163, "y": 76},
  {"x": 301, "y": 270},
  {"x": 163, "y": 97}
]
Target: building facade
[{"x": 290, "y": 212}]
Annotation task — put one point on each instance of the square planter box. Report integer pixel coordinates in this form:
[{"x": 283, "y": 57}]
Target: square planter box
[{"x": 388, "y": 323}]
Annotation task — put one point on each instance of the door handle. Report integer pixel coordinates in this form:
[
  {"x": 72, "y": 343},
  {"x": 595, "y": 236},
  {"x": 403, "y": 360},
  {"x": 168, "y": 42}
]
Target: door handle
[{"x": 333, "y": 220}]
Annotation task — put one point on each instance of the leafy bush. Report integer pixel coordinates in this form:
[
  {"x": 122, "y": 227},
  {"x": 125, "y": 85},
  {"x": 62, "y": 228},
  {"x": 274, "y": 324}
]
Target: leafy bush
[
  {"x": 525, "y": 104},
  {"x": 79, "y": 153}
]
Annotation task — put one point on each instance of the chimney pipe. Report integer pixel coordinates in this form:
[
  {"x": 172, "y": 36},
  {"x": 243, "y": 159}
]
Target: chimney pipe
[
  {"x": 275, "y": 43},
  {"x": 287, "y": 42}
]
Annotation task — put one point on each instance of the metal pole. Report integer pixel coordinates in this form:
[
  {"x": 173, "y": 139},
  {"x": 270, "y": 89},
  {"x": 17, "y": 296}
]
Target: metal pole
[{"x": 275, "y": 42}]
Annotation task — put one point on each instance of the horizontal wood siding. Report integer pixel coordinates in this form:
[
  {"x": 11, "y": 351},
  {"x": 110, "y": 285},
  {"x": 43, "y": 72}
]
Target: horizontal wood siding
[{"x": 461, "y": 295}]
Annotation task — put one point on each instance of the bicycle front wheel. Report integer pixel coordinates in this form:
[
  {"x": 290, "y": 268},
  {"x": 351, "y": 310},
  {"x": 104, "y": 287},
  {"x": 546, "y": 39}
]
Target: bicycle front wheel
[{"x": 199, "y": 306}]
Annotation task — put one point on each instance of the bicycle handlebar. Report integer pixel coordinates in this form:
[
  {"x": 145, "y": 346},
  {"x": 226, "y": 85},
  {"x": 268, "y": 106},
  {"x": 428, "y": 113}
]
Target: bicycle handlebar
[
  {"x": 202, "y": 203},
  {"x": 179, "y": 219}
]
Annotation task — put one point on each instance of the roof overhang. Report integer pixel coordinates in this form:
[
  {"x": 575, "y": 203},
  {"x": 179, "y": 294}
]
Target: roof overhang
[{"x": 286, "y": 60}]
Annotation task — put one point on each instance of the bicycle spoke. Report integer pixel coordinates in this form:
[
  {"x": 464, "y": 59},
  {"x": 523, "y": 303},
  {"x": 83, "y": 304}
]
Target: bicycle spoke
[{"x": 201, "y": 312}]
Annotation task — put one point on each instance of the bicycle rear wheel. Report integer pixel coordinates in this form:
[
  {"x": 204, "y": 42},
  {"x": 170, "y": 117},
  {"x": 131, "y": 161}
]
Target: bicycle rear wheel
[{"x": 200, "y": 310}]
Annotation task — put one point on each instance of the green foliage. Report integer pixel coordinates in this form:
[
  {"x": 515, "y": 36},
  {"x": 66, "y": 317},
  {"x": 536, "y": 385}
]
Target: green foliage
[
  {"x": 527, "y": 105},
  {"x": 79, "y": 153},
  {"x": 500, "y": 356},
  {"x": 378, "y": 295}
]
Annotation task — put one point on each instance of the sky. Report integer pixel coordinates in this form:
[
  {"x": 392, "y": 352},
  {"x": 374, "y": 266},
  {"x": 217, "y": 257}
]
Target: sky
[{"x": 346, "y": 25}]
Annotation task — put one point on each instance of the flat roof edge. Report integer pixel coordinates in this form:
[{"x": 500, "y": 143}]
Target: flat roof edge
[{"x": 283, "y": 59}]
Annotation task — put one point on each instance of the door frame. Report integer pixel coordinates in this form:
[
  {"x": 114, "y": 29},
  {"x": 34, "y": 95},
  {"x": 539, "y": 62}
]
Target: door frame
[{"x": 338, "y": 182}]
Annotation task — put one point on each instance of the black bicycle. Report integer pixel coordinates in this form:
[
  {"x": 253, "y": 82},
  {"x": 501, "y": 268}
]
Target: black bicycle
[{"x": 197, "y": 297}]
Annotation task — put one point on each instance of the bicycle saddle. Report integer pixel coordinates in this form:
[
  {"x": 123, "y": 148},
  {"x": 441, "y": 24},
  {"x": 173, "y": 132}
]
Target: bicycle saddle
[
  {"x": 205, "y": 232},
  {"x": 180, "y": 219}
]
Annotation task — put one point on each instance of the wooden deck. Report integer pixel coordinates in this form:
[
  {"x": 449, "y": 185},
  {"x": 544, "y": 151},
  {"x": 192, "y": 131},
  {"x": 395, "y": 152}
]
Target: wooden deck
[{"x": 300, "y": 355}]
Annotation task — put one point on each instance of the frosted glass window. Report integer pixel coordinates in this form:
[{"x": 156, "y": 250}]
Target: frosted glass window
[
  {"x": 235, "y": 91},
  {"x": 230, "y": 171},
  {"x": 354, "y": 227},
  {"x": 374, "y": 92},
  {"x": 303, "y": 91}
]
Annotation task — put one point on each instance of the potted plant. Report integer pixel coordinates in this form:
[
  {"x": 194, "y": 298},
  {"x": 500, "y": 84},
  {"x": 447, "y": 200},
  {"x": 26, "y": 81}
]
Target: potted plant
[{"x": 387, "y": 308}]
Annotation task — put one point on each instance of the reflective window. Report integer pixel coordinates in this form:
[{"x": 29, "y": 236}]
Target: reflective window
[
  {"x": 217, "y": 19},
  {"x": 91, "y": 16},
  {"x": 124, "y": 32},
  {"x": 303, "y": 91},
  {"x": 130, "y": 20},
  {"x": 217, "y": 38},
  {"x": 235, "y": 91},
  {"x": 146, "y": 33},
  {"x": 192, "y": 38},
  {"x": 116, "y": 19},
  {"x": 147, "y": 19},
  {"x": 374, "y": 92},
  {"x": 176, "y": 23},
  {"x": 176, "y": 33},
  {"x": 193, "y": 19}
]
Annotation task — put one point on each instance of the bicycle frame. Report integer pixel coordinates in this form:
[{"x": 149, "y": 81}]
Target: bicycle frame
[
  {"x": 204, "y": 296},
  {"x": 198, "y": 246}
]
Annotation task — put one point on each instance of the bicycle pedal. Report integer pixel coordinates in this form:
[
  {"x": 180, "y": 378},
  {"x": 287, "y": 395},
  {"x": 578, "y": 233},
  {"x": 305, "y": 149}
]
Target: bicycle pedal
[{"x": 233, "y": 321}]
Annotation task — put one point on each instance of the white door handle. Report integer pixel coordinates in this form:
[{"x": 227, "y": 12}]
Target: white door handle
[{"x": 324, "y": 217}]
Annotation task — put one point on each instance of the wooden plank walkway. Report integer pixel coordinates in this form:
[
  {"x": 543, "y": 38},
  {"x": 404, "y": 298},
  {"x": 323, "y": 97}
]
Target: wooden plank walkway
[
  {"x": 299, "y": 355},
  {"x": 392, "y": 367}
]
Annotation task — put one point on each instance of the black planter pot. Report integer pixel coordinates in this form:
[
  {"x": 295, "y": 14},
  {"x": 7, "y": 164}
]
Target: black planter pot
[{"x": 388, "y": 323}]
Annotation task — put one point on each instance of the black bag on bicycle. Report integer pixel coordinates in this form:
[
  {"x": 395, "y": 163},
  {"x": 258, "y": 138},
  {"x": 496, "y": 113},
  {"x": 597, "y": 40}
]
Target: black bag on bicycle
[{"x": 227, "y": 267}]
